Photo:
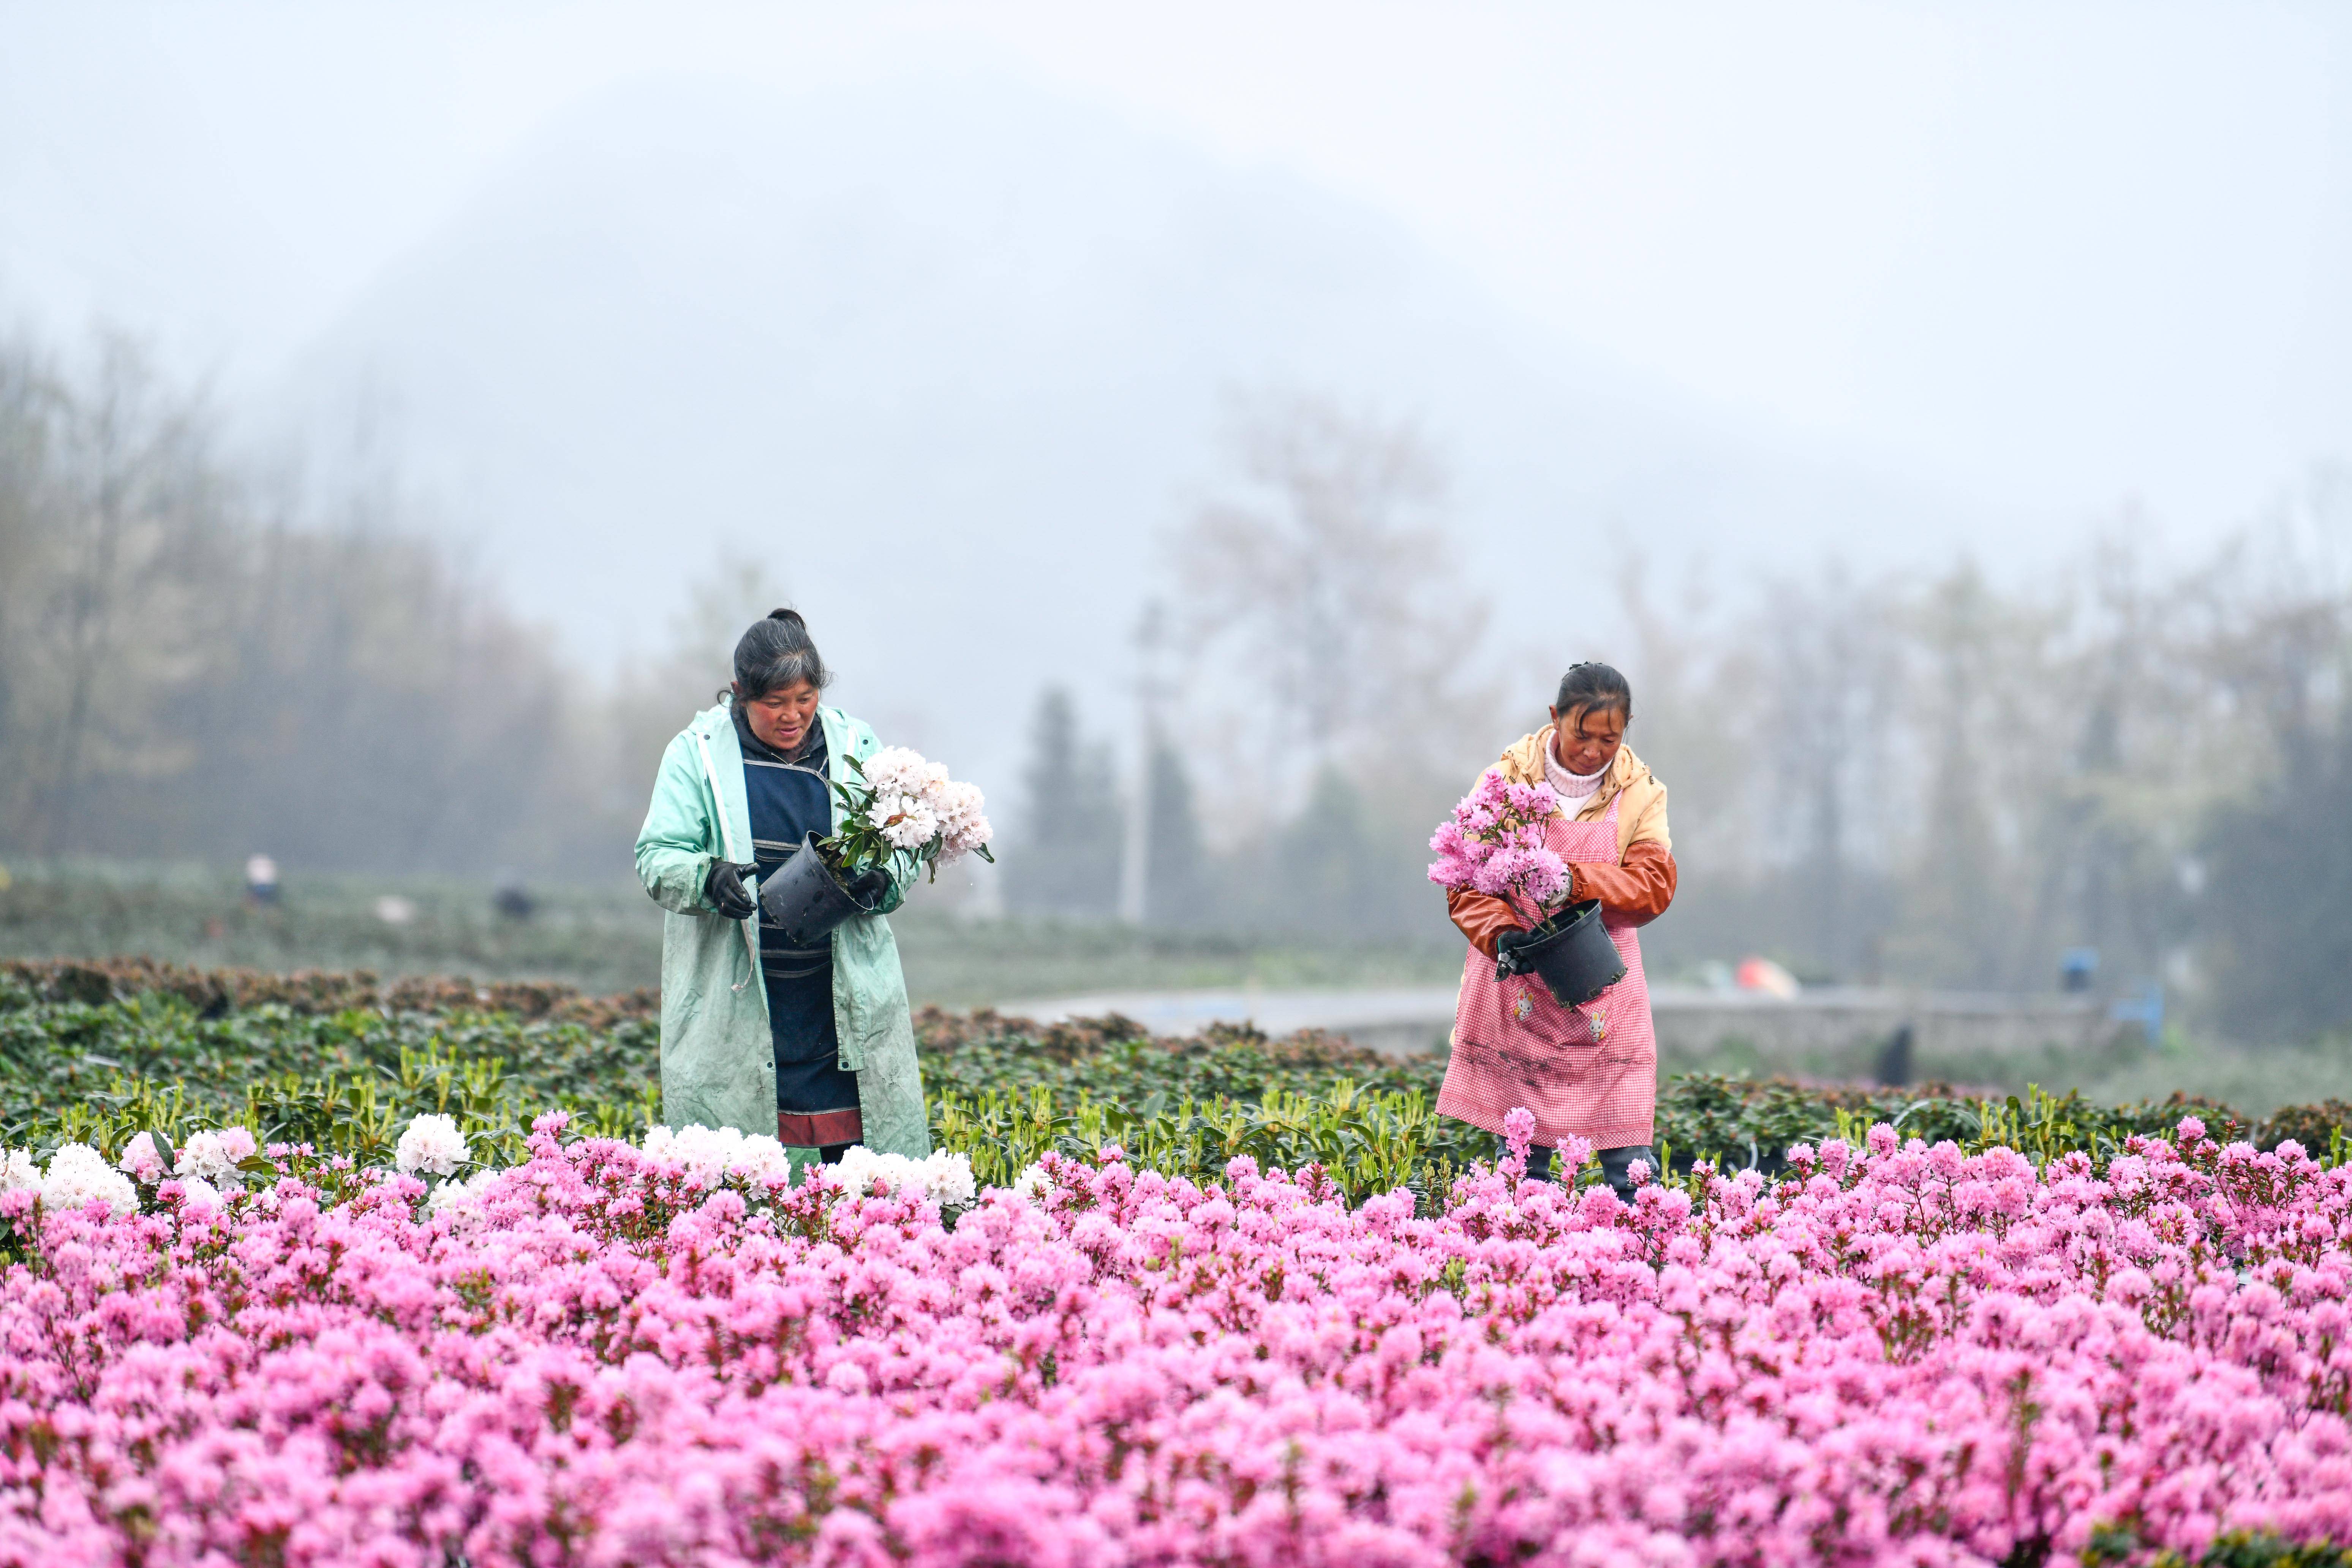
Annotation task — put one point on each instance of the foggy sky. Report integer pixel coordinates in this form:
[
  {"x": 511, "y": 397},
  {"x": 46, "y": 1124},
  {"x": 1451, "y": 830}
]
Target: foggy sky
[{"x": 2055, "y": 256}]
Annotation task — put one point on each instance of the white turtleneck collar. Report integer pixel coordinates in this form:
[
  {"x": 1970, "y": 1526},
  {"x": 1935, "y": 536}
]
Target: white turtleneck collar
[{"x": 1574, "y": 789}]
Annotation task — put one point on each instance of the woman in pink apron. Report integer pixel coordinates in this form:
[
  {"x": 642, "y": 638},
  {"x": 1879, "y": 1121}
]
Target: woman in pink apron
[{"x": 1589, "y": 1071}]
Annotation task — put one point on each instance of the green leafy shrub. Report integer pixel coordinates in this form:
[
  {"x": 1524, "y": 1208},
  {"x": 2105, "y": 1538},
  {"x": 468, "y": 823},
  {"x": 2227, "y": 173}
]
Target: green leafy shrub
[{"x": 96, "y": 1053}]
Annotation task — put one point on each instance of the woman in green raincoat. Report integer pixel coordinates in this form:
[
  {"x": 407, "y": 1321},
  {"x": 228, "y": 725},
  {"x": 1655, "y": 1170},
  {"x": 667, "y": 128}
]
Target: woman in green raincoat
[{"x": 817, "y": 1042}]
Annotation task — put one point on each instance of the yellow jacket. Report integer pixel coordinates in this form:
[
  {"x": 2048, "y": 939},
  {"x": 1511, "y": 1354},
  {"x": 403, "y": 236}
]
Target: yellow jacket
[
  {"x": 1641, "y": 820},
  {"x": 1638, "y": 888}
]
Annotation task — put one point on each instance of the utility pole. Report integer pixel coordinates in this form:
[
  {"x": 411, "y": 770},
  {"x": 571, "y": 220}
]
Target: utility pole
[{"x": 1151, "y": 690}]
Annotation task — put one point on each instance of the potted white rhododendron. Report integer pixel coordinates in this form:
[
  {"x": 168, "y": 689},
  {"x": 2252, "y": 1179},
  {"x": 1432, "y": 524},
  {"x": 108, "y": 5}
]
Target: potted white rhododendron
[{"x": 900, "y": 814}]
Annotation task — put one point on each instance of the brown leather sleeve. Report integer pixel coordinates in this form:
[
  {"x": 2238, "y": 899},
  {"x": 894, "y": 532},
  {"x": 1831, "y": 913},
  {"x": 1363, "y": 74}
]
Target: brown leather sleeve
[
  {"x": 1481, "y": 917},
  {"x": 1642, "y": 887}
]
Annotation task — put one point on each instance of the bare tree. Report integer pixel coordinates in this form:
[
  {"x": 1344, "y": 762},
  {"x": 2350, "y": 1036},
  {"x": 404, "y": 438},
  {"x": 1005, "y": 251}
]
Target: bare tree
[
  {"x": 656, "y": 694},
  {"x": 185, "y": 672},
  {"x": 27, "y": 399},
  {"x": 117, "y": 541},
  {"x": 1831, "y": 688},
  {"x": 1323, "y": 584}
]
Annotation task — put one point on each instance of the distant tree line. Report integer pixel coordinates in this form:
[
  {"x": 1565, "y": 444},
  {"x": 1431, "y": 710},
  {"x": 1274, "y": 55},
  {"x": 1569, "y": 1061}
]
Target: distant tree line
[
  {"x": 195, "y": 664},
  {"x": 1938, "y": 779},
  {"x": 1945, "y": 781}
]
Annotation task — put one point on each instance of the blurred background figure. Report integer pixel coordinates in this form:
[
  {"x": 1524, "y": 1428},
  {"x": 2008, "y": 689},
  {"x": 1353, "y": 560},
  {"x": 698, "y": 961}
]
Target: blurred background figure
[
  {"x": 260, "y": 880},
  {"x": 513, "y": 900},
  {"x": 2078, "y": 968}
]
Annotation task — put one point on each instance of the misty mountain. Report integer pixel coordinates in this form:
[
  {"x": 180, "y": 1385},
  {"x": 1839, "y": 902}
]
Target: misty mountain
[{"x": 949, "y": 357}]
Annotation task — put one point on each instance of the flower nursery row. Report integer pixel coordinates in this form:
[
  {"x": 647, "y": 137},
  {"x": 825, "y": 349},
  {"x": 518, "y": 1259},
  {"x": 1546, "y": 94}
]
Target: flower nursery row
[
  {"x": 96, "y": 1055},
  {"x": 668, "y": 1350}
]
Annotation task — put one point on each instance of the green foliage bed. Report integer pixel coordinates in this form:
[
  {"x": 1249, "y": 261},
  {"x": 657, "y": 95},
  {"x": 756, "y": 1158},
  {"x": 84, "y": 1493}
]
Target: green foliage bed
[{"x": 96, "y": 1052}]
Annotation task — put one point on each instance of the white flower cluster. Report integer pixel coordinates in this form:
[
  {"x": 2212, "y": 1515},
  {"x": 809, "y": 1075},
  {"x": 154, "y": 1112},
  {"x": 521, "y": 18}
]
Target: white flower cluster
[
  {"x": 914, "y": 802},
  {"x": 431, "y": 1144},
  {"x": 1029, "y": 1185},
  {"x": 901, "y": 770},
  {"x": 946, "y": 1177},
  {"x": 212, "y": 1157},
  {"x": 715, "y": 1153},
  {"x": 461, "y": 1195},
  {"x": 905, "y": 821},
  {"x": 207, "y": 1164},
  {"x": 79, "y": 1174},
  {"x": 963, "y": 821}
]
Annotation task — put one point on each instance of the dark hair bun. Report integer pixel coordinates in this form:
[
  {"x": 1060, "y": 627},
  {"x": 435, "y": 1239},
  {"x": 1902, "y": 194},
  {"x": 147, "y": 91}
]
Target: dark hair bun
[{"x": 776, "y": 653}]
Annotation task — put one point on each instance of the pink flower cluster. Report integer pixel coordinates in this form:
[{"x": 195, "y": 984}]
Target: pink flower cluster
[
  {"x": 1494, "y": 844},
  {"x": 1902, "y": 1354}
]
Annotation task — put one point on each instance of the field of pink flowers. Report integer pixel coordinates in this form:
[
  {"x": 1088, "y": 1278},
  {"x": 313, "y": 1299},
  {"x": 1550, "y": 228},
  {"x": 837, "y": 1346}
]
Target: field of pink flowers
[{"x": 607, "y": 1355}]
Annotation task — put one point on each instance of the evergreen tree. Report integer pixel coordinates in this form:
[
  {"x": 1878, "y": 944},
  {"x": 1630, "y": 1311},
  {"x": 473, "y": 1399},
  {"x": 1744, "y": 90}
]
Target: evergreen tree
[
  {"x": 1341, "y": 872},
  {"x": 1178, "y": 888},
  {"x": 1066, "y": 860},
  {"x": 2279, "y": 909}
]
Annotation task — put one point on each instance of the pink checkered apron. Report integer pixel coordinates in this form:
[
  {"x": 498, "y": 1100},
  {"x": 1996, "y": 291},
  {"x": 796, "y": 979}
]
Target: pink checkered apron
[{"x": 1587, "y": 1073}]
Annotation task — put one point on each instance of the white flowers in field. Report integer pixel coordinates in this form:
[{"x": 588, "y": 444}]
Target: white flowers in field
[
  {"x": 946, "y": 1177},
  {"x": 914, "y": 802},
  {"x": 212, "y": 1157},
  {"x": 717, "y": 1153},
  {"x": 713, "y": 1153},
  {"x": 1029, "y": 1185},
  {"x": 206, "y": 1169},
  {"x": 460, "y": 1195},
  {"x": 432, "y": 1144},
  {"x": 79, "y": 1174}
]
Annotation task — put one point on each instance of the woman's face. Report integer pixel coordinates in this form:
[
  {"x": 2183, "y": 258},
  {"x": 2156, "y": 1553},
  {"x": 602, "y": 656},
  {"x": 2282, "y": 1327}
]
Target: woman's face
[
  {"x": 1587, "y": 741},
  {"x": 781, "y": 718}
]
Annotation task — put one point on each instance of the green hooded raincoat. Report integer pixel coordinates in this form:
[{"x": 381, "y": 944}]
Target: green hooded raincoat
[{"x": 717, "y": 1066}]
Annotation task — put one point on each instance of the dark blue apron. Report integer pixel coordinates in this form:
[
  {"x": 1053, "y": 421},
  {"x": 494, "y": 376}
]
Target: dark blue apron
[{"x": 816, "y": 1102}]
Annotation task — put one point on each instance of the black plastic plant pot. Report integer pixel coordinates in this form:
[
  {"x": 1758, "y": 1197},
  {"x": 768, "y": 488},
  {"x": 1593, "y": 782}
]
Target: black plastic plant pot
[
  {"x": 805, "y": 899},
  {"x": 1578, "y": 961}
]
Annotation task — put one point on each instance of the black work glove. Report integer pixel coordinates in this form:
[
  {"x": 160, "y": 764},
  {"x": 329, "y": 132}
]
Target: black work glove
[
  {"x": 724, "y": 889},
  {"x": 1507, "y": 961},
  {"x": 870, "y": 887}
]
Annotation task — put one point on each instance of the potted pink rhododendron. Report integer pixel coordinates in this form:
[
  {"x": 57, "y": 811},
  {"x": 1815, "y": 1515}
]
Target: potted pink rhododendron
[{"x": 1495, "y": 844}]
